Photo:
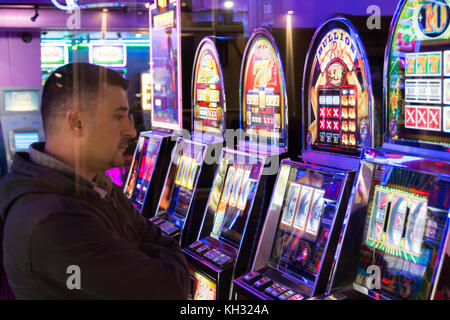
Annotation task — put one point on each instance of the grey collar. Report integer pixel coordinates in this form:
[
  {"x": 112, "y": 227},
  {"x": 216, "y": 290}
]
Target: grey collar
[{"x": 102, "y": 183}]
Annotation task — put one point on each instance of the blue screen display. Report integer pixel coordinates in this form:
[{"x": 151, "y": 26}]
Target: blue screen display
[{"x": 22, "y": 140}]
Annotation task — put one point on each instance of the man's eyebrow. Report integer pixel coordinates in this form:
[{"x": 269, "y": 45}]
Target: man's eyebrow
[{"x": 120, "y": 109}]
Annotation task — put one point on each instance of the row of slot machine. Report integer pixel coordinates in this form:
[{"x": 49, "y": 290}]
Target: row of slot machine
[{"x": 362, "y": 212}]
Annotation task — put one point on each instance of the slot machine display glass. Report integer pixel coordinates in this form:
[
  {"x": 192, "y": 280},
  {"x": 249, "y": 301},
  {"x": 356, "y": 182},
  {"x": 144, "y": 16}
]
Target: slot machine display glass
[
  {"x": 339, "y": 92},
  {"x": 417, "y": 75},
  {"x": 263, "y": 92}
]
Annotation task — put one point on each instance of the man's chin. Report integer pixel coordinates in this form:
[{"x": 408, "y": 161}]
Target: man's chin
[{"x": 118, "y": 161}]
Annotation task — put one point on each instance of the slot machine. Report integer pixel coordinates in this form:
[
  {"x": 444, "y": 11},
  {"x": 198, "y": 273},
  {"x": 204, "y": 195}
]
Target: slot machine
[
  {"x": 152, "y": 155},
  {"x": 342, "y": 93},
  {"x": 301, "y": 232},
  {"x": 20, "y": 122},
  {"x": 244, "y": 178},
  {"x": 194, "y": 161},
  {"x": 395, "y": 244}
]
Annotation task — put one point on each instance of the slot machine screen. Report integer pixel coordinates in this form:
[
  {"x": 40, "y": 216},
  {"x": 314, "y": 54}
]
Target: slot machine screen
[
  {"x": 22, "y": 140},
  {"x": 338, "y": 91},
  {"x": 232, "y": 195},
  {"x": 417, "y": 76},
  {"x": 208, "y": 90},
  {"x": 405, "y": 226},
  {"x": 204, "y": 288},
  {"x": 263, "y": 91},
  {"x": 306, "y": 203},
  {"x": 142, "y": 169},
  {"x": 181, "y": 179},
  {"x": 235, "y": 202},
  {"x": 165, "y": 65}
]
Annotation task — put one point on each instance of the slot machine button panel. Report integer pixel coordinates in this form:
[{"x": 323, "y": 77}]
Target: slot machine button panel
[
  {"x": 287, "y": 295},
  {"x": 262, "y": 283},
  {"x": 225, "y": 261},
  {"x": 203, "y": 249},
  {"x": 272, "y": 288},
  {"x": 218, "y": 258},
  {"x": 156, "y": 220},
  {"x": 210, "y": 255},
  {"x": 195, "y": 245},
  {"x": 279, "y": 291},
  {"x": 297, "y": 296},
  {"x": 252, "y": 277}
]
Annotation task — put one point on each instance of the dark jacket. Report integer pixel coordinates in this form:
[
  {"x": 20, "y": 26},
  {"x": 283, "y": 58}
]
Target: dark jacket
[{"x": 54, "y": 221}]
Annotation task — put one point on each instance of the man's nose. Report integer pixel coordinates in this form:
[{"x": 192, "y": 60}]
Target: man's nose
[{"x": 131, "y": 130}]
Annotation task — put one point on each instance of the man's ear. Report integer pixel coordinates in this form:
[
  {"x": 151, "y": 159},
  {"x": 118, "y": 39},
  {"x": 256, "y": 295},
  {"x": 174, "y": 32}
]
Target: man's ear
[{"x": 76, "y": 121}]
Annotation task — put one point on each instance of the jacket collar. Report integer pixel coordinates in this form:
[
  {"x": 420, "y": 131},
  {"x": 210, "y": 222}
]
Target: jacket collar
[{"x": 102, "y": 184}]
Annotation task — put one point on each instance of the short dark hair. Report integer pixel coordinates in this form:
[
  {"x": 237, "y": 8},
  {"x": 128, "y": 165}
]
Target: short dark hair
[{"x": 72, "y": 84}]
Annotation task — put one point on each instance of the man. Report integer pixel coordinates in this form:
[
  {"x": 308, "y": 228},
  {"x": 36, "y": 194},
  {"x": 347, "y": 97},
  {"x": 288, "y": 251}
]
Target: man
[{"x": 69, "y": 233}]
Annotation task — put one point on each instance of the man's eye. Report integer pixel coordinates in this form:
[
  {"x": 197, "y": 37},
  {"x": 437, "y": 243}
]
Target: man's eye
[{"x": 119, "y": 117}]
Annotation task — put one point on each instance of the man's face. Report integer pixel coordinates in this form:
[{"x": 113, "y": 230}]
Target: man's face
[{"x": 108, "y": 130}]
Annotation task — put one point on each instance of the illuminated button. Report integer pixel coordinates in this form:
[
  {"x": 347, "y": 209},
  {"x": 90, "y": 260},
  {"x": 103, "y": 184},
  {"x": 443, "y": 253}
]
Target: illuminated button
[
  {"x": 218, "y": 257},
  {"x": 272, "y": 288},
  {"x": 329, "y": 112},
  {"x": 195, "y": 244},
  {"x": 166, "y": 226},
  {"x": 211, "y": 254},
  {"x": 287, "y": 295},
  {"x": 296, "y": 297},
  {"x": 172, "y": 230},
  {"x": 226, "y": 260},
  {"x": 156, "y": 220},
  {"x": 262, "y": 283},
  {"x": 202, "y": 249},
  {"x": 251, "y": 277},
  {"x": 279, "y": 291}
]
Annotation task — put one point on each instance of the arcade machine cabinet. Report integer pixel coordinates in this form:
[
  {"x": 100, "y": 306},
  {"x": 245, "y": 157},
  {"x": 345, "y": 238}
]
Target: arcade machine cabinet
[
  {"x": 194, "y": 161},
  {"x": 342, "y": 90},
  {"x": 395, "y": 244},
  {"x": 295, "y": 250},
  {"x": 244, "y": 179},
  {"x": 152, "y": 155},
  {"x": 20, "y": 122},
  {"x": 301, "y": 232}
]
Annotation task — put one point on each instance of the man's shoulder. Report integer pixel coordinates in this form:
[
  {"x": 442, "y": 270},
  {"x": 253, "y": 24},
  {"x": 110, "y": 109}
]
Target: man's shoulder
[{"x": 31, "y": 208}]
